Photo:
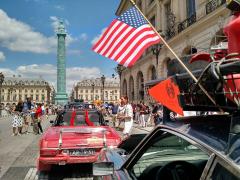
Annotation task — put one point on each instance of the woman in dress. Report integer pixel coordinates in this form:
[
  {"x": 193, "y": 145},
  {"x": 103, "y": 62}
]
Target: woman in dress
[{"x": 17, "y": 122}]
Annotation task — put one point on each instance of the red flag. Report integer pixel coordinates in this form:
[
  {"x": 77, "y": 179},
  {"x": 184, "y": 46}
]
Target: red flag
[
  {"x": 166, "y": 92},
  {"x": 126, "y": 38}
]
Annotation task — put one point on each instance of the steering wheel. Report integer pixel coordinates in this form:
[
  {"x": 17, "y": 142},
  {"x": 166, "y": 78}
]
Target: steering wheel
[{"x": 178, "y": 170}]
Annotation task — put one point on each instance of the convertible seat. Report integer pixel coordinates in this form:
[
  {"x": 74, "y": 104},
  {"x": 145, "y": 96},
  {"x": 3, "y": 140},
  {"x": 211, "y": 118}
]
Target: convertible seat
[{"x": 87, "y": 120}]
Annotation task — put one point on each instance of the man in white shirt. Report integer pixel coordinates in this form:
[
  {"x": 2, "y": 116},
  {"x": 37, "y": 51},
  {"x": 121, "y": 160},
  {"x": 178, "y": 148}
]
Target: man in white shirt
[{"x": 127, "y": 117}]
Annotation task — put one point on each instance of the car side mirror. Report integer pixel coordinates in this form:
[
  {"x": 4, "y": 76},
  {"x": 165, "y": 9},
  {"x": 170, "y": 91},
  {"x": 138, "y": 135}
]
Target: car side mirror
[
  {"x": 51, "y": 121},
  {"x": 103, "y": 168}
]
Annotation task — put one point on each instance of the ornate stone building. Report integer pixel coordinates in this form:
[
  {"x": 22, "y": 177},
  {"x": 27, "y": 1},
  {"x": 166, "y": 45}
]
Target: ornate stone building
[
  {"x": 17, "y": 88},
  {"x": 188, "y": 26},
  {"x": 92, "y": 89}
]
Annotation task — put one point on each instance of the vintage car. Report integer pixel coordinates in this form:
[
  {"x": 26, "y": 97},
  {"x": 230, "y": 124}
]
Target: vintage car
[{"x": 76, "y": 136}]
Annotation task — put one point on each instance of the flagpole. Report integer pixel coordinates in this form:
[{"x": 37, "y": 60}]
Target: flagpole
[{"x": 176, "y": 56}]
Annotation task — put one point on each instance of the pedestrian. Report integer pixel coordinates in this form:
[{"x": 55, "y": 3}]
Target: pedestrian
[
  {"x": 121, "y": 111},
  {"x": 142, "y": 111},
  {"x": 127, "y": 117},
  {"x": 137, "y": 114},
  {"x": 27, "y": 114},
  {"x": 157, "y": 114},
  {"x": 15, "y": 121},
  {"x": 114, "y": 113},
  {"x": 18, "y": 115},
  {"x": 38, "y": 114}
]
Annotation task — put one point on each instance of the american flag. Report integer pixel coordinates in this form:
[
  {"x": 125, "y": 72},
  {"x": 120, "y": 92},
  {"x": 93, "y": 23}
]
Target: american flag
[{"x": 126, "y": 38}]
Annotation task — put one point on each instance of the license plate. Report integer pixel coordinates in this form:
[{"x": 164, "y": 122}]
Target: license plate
[{"x": 81, "y": 152}]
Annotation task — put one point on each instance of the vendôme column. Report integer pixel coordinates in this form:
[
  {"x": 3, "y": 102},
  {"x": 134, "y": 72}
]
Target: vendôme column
[{"x": 61, "y": 97}]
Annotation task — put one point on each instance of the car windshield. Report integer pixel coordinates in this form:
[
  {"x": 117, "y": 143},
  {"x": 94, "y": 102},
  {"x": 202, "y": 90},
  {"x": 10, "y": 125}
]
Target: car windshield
[
  {"x": 169, "y": 148},
  {"x": 64, "y": 118}
]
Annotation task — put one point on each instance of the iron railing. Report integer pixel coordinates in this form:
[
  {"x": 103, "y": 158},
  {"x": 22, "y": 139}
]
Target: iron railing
[
  {"x": 213, "y": 5},
  {"x": 187, "y": 22}
]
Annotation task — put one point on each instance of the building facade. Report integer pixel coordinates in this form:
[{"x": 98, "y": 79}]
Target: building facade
[
  {"x": 92, "y": 90},
  {"x": 188, "y": 26},
  {"x": 18, "y": 88}
]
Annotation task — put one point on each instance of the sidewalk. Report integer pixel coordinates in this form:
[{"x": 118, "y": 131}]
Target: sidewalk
[{"x": 17, "y": 152}]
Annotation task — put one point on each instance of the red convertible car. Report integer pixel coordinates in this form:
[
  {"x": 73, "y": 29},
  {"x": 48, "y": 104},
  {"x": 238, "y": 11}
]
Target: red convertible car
[{"x": 75, "y": 137}]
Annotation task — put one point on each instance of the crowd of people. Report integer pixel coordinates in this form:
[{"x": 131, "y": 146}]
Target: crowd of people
[
  {"x": 28, "y": 113},
  {"x": 123, "y": 114}
]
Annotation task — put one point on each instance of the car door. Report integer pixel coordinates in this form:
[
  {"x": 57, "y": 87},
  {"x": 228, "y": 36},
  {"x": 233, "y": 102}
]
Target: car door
[
  {"x": 167, "y": 155},
  {"x": 223, "y": 169}
]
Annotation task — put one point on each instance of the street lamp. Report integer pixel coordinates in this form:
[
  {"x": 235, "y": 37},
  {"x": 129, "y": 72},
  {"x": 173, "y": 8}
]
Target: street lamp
[
  {"x": 93, "y": 90},
  {"x": 103, "y": 81},
  {"x": 1, "y": 81},
  {"x": 119, "y": 69},
  {"x": 156, "y": 50}
]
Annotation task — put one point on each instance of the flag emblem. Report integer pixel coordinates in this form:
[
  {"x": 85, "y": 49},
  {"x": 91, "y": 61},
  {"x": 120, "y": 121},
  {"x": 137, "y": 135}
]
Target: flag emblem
[
  {"x": 126, "y": 38},
  {"x": 167, "y": 92}
]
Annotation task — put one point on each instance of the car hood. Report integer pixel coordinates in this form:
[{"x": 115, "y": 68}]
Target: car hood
[{"x": 82, "y": 136}]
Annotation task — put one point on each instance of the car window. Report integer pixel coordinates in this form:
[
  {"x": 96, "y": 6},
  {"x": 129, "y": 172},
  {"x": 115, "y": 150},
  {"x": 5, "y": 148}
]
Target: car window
[
  {"x": 169, "y": 149},
  {"x": 221, "y": 173}
]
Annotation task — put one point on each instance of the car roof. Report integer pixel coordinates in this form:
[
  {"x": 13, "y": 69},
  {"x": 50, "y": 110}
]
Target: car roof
[{"x": 211, "y": 130}]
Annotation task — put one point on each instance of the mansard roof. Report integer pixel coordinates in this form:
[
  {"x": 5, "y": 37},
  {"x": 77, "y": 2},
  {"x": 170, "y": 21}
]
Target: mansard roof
[
  {"x": 109, "y": 82},
  {"x": 18, "y": 80}
]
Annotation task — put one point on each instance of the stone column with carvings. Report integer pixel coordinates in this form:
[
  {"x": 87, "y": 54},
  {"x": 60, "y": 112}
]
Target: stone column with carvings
[{"x": 61, "y": 95}]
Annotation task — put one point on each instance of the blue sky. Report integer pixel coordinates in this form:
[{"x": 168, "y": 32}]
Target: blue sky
[{"x": 28, "y": 39}]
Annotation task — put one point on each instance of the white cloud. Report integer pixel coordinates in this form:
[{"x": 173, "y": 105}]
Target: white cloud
[
  {"x": 2, "y": 57},
  {"x": 83, "y": 36},
  {"x": 18, "y": 36},
  {"x": 95, "y": 39},
  {"x": 49, "y": 73},
  {"x": 7, "y": 71},
  {"x": 59, "y": 7},
  {"x": 55, "y": 22}
]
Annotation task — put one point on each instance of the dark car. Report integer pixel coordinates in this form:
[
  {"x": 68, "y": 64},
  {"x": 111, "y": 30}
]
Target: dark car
[
  {"x": 205, "y": 147},
  {"x": 192, "y": 148}
]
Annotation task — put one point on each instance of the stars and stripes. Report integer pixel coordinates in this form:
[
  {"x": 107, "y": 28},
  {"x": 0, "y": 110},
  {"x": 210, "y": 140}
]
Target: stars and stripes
[{"x": 126, "y": 38}]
